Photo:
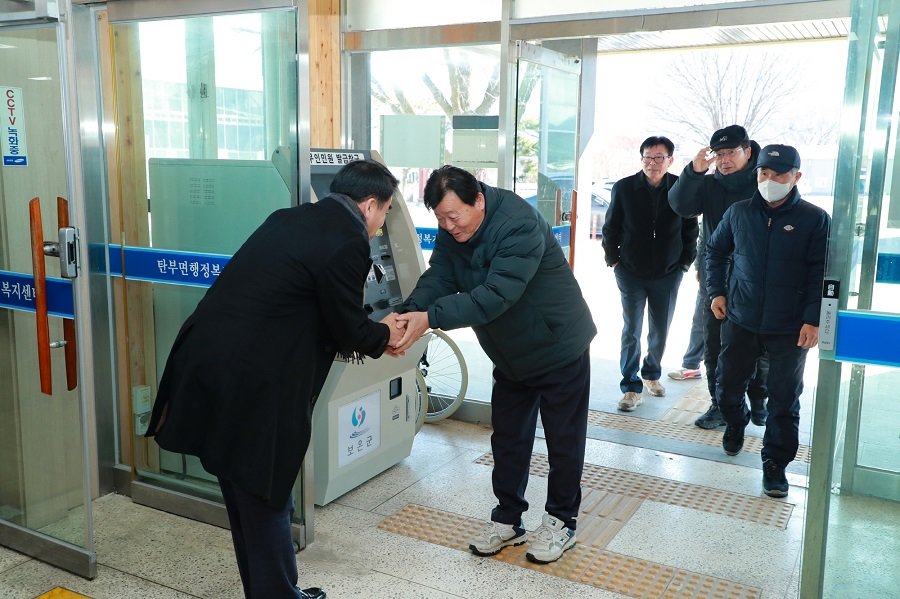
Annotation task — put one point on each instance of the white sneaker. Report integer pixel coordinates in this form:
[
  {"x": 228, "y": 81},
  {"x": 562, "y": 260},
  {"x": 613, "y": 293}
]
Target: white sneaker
[
  {"x": 549, "y": 541},
  {"x": 685, "y": 374},
  {"x": 655, "y": 388},
  {"x": 630, "y": 401},
  {"x": 494, "y": 537}
]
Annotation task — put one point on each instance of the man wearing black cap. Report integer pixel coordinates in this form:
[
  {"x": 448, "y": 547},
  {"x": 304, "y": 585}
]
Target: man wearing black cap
[
  {"x": 770, "y": 300},
  {"x": 696, "y": 193}
]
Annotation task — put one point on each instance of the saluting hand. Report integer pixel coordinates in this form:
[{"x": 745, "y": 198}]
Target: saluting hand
[{"x": 702, "y": 160}]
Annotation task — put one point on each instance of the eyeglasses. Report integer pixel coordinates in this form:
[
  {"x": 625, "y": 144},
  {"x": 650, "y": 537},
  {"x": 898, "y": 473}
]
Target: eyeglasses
[
  {"x": 656, "y": 159},
  {"x": 727, "y": 153}
]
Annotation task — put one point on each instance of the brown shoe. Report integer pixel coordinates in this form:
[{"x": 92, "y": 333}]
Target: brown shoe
[
  {"x": 655, "y": 388},
  {"x": 630, "y": 401}
]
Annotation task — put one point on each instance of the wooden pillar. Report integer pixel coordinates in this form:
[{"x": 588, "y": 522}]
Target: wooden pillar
[{"x": 325, "y": 73}]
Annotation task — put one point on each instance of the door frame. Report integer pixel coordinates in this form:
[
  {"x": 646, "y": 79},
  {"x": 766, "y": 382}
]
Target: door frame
[{"x": 81, "y": 140}]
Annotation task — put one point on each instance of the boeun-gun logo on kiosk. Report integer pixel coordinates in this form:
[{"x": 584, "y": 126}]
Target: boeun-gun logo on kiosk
[
  {"x": 359, "y": 428},
  {"x": 357, "y": 420}
]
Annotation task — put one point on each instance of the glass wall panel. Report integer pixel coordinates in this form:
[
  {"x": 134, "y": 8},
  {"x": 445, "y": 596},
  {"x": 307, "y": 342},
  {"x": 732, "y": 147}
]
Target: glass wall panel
[
  {"x": 204, "y": 165},
  {"x": 443, "y": 84}
]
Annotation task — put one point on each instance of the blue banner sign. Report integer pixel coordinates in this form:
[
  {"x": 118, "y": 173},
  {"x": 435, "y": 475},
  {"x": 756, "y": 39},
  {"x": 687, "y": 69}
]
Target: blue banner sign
[
  {"x": 428, "y": 236},
  {"x": 17, "y": 292},
  {"x": 166, "y": 266},
  {"x": 563, "y": 234},
  {"x": 153, "y": 265},
  {"x": 868, "y": 338}
]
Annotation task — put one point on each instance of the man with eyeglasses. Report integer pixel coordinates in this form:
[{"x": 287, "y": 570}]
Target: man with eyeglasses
[
  {"x": 777, "y": 242},
  {"x": 650, "y": 248},
  {"x": 698, "y": 193}
]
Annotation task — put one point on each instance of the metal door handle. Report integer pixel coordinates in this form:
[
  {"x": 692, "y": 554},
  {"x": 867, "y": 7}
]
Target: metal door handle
[
  {"x": 62, "y": 218},
  {"x": 38, "y": 250},
  {"x": 40, "y": 295}
]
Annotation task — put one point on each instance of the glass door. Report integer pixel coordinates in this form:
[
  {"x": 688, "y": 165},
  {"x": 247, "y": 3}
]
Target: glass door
[
  {"x": 45, "y": 481},
  {"x": 206, "y": 148},
  {"x": 853, "y": 517},
  {"x": 547, "y": 133}
]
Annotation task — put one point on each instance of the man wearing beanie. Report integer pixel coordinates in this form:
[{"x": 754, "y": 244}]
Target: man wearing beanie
[
  {"x": 771, "y": 300},
  {"x": 697, "y": 193}
]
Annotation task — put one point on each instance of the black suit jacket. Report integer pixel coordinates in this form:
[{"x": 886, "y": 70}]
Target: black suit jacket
[
  {"x": 643, "y": 234},
  {"x": 246, "y": 367}
]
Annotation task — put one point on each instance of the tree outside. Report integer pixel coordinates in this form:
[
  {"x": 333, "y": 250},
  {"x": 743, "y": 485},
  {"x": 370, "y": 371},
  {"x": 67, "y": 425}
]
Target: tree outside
[{"x": 781, "y": 93}]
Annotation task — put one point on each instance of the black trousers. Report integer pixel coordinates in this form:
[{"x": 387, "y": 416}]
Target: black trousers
[
  {"x": 712, "y": 337},
  {"x": 262, "y": 544},
  {"x": 561, "y": 397},
  {"x": 740, "y": 348}
]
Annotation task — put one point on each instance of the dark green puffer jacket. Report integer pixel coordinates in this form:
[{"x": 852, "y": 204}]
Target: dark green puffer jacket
[{"x": 511, "y": 283}]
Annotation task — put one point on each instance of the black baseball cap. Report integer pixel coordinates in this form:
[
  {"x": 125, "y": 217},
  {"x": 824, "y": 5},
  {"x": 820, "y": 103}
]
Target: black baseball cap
[
  {"x": 731, "y": 136},
  {"x": 779, "y": 158}
]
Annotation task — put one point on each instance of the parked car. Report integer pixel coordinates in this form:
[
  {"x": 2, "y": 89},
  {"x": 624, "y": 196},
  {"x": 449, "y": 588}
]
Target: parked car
[{"x": 601, "y": 194}]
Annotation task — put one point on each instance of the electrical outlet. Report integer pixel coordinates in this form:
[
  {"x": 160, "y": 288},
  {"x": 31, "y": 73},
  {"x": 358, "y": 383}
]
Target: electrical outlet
[{"x": 141, "y": 405}]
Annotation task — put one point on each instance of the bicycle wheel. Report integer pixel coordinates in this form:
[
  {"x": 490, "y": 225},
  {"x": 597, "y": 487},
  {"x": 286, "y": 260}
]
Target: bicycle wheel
[
  {"x": 421, "y": 400},
  {"x": 446, "y": 377}
]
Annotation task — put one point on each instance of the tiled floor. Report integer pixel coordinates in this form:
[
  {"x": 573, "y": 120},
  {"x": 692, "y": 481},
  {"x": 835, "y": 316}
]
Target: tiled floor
[{"x": 657, "y": 524}]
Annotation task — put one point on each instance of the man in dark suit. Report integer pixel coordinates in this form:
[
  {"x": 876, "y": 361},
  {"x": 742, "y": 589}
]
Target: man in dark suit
[{"x": 246, "y": 368}]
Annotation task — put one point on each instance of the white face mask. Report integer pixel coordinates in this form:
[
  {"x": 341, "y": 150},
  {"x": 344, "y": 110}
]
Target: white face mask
[{"x": 772, "y": 191}]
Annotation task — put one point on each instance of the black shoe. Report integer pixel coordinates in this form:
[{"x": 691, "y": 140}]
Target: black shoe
[
  {"x": 711, "y": 419},
  {"x": 733, "y": 439},
  {"x": 758, "y": 412},
  {"x": 775, "y": 483},
  {"x": 312, "y": 593}
]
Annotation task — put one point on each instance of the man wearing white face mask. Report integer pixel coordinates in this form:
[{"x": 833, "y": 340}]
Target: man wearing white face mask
[{"x": 777, "y": 242}]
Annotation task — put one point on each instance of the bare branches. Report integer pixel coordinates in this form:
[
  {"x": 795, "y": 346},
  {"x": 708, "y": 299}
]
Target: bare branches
[
  {"x": 453, "y": 95},
  {"x": 710, "y": 90}
]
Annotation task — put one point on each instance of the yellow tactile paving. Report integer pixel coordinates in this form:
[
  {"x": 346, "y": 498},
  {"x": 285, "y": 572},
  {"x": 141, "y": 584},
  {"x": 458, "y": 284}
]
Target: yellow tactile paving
[
  {"x": 61, "y": 593},
  {"x": 641, "y": 486},
  {"x": 585, "y": 563},
  {"x": 689, "y": 585},
  {"x": 603, "y": 515},
  {"x": 678, "y": 423}
]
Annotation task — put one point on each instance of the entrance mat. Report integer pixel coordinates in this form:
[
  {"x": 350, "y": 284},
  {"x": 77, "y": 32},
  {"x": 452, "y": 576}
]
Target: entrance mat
[
  {"x": 61, "y": 593},
  {"x": 770, "y": 512},
  {"x": 680, "y": 428},
  {"x": 585, "y": 563}
]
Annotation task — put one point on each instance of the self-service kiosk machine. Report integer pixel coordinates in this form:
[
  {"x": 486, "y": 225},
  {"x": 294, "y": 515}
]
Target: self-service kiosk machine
[{"x": 365, "y": 418}]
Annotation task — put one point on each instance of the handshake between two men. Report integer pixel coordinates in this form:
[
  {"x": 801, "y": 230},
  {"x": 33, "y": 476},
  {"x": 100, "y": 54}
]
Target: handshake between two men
[{"x": 405, "y": 329}]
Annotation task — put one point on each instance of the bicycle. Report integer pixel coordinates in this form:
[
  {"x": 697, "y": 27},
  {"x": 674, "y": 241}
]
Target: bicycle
[{"x": 441, "y": 378}]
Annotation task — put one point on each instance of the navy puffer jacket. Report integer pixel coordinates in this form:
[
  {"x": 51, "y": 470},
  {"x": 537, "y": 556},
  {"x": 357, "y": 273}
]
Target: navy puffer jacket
[{"x": 775, "y": 284}]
